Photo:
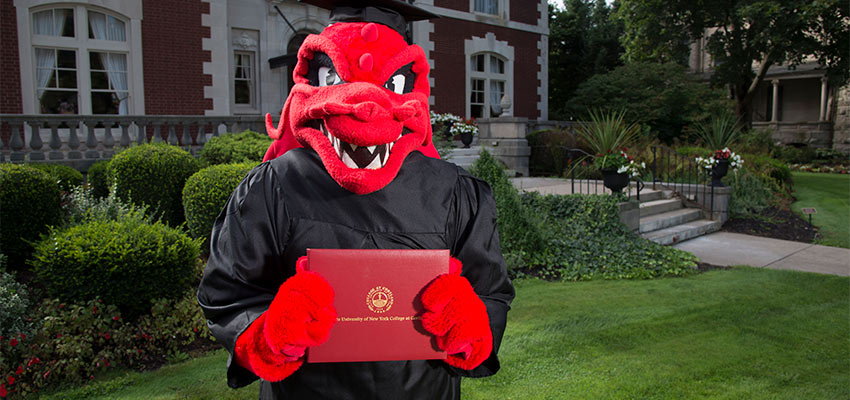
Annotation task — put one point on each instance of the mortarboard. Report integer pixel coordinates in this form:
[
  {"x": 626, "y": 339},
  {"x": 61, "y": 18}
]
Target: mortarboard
[{"x": 395, "y": 14}]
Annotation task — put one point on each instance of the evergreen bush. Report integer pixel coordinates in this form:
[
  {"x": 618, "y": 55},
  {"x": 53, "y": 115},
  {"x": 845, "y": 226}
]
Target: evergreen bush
[
  {"x": 154, "y": 175},
  {"x": 247, "y": 146},
  {"x": 96, "y": 179},
  {"x": 127, "y": 263},
  {"x": 65, "y": 176},
  {"x": 206, "y": 192},
  {"x": 29, "y": 204}
]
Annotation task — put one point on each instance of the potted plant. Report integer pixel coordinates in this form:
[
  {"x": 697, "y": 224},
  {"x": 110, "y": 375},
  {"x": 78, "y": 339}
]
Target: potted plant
[
  {"x": 719, "y": 163},
  {"x": 607, "y": 134},
  {"x": 441, "y": 124},
  {"x": 719, "y": 133},
  {"x": 466, "y": 129}
]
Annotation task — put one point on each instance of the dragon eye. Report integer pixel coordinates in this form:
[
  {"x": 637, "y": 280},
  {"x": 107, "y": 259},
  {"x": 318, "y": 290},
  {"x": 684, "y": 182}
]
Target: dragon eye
[
  {"x": 328, "y": 77},
  {"x": 396, "y": 84},
  {"x": 402, "y": 80}
]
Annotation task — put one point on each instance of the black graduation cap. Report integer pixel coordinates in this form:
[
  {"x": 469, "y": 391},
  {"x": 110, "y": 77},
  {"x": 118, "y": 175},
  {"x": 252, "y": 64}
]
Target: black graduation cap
[{"x": 395, "y": 14}]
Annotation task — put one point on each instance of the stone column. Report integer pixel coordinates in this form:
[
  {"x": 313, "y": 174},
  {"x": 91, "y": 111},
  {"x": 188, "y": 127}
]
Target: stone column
[
  {"x": 824, "y": 96},
  {"x": 774, "y": 117}
]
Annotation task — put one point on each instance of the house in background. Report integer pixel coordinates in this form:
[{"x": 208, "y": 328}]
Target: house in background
[
  {"x": 78, "y": 76},
  {"x": 795, "y": 102}
]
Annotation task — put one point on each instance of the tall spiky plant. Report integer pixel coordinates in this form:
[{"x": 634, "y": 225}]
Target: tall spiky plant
[
  {"x": 719, "y": 132},
  {"x": 606, "y": 133}
]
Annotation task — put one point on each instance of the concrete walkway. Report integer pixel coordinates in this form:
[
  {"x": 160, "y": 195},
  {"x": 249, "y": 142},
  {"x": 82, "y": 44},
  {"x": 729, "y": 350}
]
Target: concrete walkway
[{"x": 726, "y": 248}]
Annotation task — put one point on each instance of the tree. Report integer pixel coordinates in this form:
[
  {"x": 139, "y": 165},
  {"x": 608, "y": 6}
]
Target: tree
[
  {"x": 664, "y": 98},
  {"x": 583, "y": 41},
  {"x": 749, "y": 36}
]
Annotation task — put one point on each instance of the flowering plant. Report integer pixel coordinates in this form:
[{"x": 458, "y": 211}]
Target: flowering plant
[
  {"x": 735, "y": 160},
  {"x": 464, "y": 126},
  {"x": 447, "y": 118},
  {"x": 622, "y": 163}
]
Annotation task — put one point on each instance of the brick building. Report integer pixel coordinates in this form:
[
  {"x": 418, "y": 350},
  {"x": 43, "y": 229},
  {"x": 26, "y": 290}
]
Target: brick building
[{"x": 229, "y": 57}]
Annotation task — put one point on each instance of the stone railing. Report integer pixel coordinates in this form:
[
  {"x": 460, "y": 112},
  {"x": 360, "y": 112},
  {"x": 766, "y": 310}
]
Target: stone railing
[{"x": 82, "y": 140}]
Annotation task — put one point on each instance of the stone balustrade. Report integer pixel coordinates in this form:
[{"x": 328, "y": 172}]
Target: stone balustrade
[{"x": 82, "y": 140}]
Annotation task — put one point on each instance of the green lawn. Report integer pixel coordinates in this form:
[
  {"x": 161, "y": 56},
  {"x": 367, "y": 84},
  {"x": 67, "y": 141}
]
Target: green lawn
[
  {"x": 830, "y": 195},
  {"x": 728, "y": 334}
]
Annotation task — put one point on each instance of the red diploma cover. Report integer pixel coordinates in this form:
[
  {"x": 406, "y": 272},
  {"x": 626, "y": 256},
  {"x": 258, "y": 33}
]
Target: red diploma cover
[{"x": 377, "y": 300}]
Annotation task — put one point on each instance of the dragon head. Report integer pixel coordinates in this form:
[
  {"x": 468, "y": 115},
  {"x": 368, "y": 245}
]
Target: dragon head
[{"x": 360, "y": 101}]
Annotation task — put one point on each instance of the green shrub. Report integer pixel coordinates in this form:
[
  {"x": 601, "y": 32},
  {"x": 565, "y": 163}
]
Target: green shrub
[
  {"x": 572, "y": 237},
  {"x": 81, "y": 206},
  {"x": 78, "y": 340},
  {"x": 126, "y": 263},
  {"x": 588, "y": 240},
  {"x": 206, "y": 192},
  {"x": 154, "y": 175},
  {"x": 751, "y": 194},
  {"x": 769, "y": 167},
  {"x": 520, "y": 234},
  {"x": 15, "y": 317},
  {"x": 29, "y": 204},
  {"x": 64, "y": 175},
  {"x": 248, "y": 146},
  {"x": 96, "y": 177}
]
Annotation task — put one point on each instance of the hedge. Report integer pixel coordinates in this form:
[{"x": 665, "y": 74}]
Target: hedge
[
  {"x": 30, "y": 201},
  {"x": 64, "y": 175},
  {"x": 206, "y": 192},
  {"x": 96, "y": 178},
  {"x": 247, "y": 146},
  {"x": 154, "y": 175}
]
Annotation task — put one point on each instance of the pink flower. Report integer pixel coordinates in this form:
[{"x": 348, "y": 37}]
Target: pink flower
[
  {"x": 33, "y": 360},
  {"x": 106, "y": 335},
  {"x": 20, "y": 370},
  {"x": 11, "y": 380},
  {"x": 13, "y": 342},
  {"x": 116, "y": 318},
  {"x": 3, "y": 391}
]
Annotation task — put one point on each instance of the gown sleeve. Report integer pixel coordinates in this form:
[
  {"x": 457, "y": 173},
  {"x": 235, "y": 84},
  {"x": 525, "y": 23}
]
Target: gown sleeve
[
  {"x": 476, "y": 244},
  {"x": 245, "y": 268}
]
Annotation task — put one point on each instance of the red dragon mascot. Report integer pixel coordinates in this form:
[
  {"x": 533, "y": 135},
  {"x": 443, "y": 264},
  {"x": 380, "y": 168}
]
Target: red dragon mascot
[{"x": 353, "y": 167}]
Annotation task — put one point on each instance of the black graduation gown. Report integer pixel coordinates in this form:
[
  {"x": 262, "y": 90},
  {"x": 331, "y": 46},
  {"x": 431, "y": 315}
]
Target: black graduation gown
[{"x": 289, "y": 204}]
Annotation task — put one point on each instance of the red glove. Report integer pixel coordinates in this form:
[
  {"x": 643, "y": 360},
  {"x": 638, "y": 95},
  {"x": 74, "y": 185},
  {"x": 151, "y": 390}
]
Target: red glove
[
  {"x": 301, "y": 315},
  {"x": 458, "y": 318}
]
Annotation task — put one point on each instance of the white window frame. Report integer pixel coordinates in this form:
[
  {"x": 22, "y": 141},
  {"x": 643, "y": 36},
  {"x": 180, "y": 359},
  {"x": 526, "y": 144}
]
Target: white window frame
[
  {"x": 492, "y": 47},
  {"x": 503, "y": 12},
  {"x": 488, "y": 76},
  {"x": 245, "y": 42},
  {"x": 129, "y": 12}
]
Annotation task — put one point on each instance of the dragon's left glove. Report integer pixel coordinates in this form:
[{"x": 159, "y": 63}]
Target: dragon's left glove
[{"x": 458, "y": 318}]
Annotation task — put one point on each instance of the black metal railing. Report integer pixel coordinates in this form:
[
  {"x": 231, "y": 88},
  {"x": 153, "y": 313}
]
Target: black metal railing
[
  {"x": 576, "y": 166},
  {"x": 687, "y": 179}
]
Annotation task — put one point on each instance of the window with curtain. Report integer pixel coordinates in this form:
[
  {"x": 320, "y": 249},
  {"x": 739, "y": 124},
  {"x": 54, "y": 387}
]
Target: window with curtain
[
  {"x": 243, "y": 80},
  {"x": 487, "y": 6},
  {"x": 81, "y": 61},
  {"x": 487, "y": 84}
]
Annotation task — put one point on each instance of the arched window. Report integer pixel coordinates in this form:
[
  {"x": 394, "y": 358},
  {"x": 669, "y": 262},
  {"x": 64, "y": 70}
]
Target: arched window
[
  {"x": 80, "y": 60},
  {"x": 488, "y": 79}
]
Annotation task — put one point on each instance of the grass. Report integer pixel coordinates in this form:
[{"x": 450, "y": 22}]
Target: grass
[
  {"x": 830, "y": 195},
  {"x": 743, "y": 333}
]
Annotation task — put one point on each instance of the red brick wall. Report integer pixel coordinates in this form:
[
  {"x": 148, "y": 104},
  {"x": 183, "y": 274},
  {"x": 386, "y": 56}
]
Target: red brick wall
[
  {"x": 460, "y": 5},
  {"x": 173, "y": 57},
  {"x": 449, "y": 61},
  {"x": 525, "y": 11},
  {"x": 10, "y": 78}
]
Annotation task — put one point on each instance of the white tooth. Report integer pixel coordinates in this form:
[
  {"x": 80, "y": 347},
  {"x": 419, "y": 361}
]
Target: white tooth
[
  {"x": 399, "y": 137},
  {"x": 386, "y": 155},
  {"x": 371, "y": 149},
  {"x": 346, "y": 159},
  {"x": 375, "y": 164},
  {"x": 353, "y": 147}
]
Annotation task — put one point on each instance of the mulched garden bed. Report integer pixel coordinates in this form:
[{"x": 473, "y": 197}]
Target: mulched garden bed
[{"x": 774, "y": 223}]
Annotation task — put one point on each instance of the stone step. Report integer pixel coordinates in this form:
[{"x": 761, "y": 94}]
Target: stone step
[
  {"x": 647, "y": 195},
  {"x": 680, "y": 233},
  {"x": 659, "y": 206},
  {"x": 668, "y": 219}
]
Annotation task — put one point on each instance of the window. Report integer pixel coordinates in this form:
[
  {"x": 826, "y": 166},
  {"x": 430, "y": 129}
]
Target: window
[
  {"x": 80, "y": 68},
  {"x": 487, "y": 6},
  {"x": 243, "y": 81},
  {"x": 487, "y": 85}
]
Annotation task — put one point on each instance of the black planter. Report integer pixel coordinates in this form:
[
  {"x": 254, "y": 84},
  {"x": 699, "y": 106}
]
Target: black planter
[
  {"x": 466, "y": 139},
  {"x": 615, "y": 181},
  {"x": 718, "y": 172}
]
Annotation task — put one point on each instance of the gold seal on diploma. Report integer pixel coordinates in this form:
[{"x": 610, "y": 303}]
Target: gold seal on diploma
[{"x": 379, "y": 299}]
